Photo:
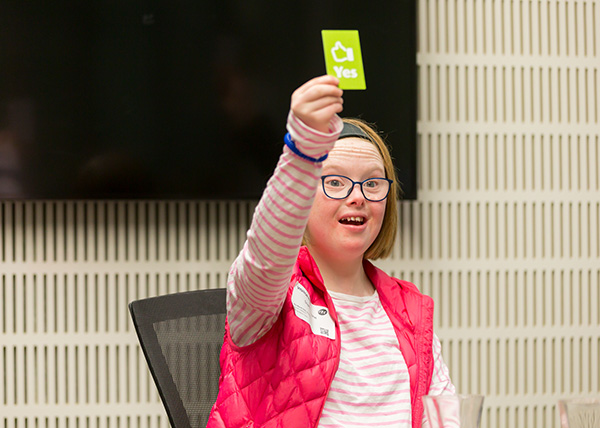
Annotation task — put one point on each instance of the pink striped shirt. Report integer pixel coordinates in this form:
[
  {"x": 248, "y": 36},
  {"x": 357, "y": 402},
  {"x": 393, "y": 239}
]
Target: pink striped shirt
[
  {"x": 372, "y": 382},
  {"x": 371, "y": 386}
]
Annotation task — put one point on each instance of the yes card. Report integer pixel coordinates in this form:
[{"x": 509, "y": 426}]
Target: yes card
[{"x": 343, "y": 58}]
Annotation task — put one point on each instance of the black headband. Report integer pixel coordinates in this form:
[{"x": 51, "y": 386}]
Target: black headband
[{"x": 351, "y": 130}]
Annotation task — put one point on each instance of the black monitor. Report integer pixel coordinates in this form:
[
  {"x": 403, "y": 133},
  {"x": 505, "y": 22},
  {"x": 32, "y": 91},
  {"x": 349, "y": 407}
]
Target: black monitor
[{"x": 182, "y": 99}]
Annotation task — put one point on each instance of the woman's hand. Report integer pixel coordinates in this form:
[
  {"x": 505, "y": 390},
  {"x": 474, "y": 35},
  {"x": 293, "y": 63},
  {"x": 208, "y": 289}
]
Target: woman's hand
[{"x": 317, "y": 101}]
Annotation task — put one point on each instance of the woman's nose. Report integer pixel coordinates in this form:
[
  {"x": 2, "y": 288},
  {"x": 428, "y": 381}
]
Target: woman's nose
[{"x": 356, "y": 195}]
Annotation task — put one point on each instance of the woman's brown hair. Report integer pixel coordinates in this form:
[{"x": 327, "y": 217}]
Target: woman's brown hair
[{"x": 384, "y": 243}]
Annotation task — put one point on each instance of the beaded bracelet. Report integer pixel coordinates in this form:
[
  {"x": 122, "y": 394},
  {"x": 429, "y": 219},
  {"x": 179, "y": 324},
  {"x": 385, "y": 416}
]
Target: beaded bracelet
[{"x": 290, "y": 143}]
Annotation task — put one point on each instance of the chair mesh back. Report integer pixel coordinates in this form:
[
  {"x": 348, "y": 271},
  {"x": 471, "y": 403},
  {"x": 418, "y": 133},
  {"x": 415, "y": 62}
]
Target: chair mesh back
[
  {"x": 181, "y": 335},
  {"x": 194, "y": 365}
]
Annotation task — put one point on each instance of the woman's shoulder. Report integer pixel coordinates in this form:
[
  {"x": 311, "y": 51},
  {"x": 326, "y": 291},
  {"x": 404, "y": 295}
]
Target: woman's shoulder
[
  {"x": 380, "y": 277},
  {"x": 407, "y": 286}
]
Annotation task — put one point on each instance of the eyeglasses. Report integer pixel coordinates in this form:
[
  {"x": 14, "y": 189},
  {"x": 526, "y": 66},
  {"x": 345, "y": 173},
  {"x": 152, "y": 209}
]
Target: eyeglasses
[{"x": 339, "y": 187}]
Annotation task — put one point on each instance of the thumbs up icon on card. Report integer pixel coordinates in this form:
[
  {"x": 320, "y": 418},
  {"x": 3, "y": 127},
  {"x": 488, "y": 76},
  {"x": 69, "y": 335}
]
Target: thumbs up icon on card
[
  {"x": 341, "y": 53},
  {"x": 343, "y": 58}
]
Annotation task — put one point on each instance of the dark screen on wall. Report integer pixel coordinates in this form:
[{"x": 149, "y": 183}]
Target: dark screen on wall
[{"x": 174, "y": 99}]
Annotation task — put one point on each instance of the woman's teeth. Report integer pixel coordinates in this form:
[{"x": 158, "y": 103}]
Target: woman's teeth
[{"x": 353, "y": 220}]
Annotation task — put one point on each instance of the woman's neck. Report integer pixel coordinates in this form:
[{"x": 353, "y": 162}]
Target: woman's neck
[{"x": 344, "y": 276}]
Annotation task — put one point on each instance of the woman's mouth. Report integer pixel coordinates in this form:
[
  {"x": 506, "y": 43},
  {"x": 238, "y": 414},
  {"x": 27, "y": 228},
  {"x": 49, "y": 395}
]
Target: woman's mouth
[{"x": 353, "y": 221}]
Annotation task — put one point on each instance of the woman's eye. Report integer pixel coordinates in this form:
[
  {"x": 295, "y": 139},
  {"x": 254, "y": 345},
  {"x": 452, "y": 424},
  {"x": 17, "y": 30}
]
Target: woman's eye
[
  {"x": 334, "y": 183},
  {"x": 371, "y": 184}
]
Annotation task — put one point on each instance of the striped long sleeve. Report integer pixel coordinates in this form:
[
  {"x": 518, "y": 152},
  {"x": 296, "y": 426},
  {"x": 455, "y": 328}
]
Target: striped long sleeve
[{"x": 260, "y": 275}]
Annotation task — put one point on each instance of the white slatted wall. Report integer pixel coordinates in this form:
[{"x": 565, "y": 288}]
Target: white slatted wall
[
  {"x": 505, "y": 236},
  {"x": 68, "y": 355}
]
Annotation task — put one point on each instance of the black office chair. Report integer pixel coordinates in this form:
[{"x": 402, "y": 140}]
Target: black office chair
[{"x": 181, "y": 335}]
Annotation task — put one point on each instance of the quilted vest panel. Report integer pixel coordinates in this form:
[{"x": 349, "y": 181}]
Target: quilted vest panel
[{"x": 283, "y": 379}]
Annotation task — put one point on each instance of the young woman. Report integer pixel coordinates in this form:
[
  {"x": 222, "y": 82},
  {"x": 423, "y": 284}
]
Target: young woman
[{"x": 316, "y": 335}]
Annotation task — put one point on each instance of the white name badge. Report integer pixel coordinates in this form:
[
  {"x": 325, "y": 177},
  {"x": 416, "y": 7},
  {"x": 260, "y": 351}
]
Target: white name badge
[{"x": 317, "y": 317}]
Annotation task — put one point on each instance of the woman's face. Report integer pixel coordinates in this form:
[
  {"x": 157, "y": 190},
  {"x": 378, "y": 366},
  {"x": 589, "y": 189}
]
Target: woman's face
[{"x": 347, "y": 227}]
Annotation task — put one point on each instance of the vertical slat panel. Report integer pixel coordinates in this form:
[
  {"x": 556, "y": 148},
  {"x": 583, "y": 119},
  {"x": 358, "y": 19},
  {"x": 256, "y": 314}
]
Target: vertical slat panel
[
  {"x": 164, "y": 248},
  {"x": 20, "y": 232},
  {"x": 89, "y": 230},
  {"x": 10, "y": 232},
  {"x": 78, "y": 226},
  {"x": 148, "y": 229},
  {"x": 170, "y": 224}
]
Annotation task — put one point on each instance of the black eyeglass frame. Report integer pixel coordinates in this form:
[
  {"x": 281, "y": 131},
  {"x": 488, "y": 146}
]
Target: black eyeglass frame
[{"x": 354, "y": 183}]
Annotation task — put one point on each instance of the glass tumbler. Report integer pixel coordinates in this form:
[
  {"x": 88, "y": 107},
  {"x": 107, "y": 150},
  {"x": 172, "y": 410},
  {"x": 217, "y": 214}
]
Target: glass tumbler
[
  {"x": 579, "y": 412},
  {"x": 453, "y": 411}
]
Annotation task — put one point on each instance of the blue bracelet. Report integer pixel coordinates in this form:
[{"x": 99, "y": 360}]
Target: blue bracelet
[{"x": 288, "y": 142}]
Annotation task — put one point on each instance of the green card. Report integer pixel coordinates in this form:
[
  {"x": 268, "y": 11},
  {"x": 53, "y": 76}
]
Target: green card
[{"x": 343, "y": 58}]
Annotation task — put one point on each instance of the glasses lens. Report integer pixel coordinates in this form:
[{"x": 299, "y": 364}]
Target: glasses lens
[
  {"x": 336, "y": 186},
  {"x": 376, "y": 189}
]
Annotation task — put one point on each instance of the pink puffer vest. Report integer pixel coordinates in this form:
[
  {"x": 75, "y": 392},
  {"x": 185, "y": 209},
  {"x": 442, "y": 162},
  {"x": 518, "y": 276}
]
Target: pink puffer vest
[{"x": 282, "y": 380}]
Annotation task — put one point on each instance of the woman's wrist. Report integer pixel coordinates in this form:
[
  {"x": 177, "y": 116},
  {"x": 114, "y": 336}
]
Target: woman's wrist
[
  {"x": 292, "y": 146},
  {"x": 310, "y": 142}
]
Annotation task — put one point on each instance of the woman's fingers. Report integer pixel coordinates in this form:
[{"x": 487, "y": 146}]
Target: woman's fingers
[
  {"x": 315, "y": 92},
  {"x": 320, "y": 80},
  {"x": 317, "y": 101},
  {"x": 317, "y": 105}
]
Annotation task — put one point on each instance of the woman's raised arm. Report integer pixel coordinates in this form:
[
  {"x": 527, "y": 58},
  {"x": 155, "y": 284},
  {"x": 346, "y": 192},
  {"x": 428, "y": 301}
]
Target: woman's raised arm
[{"x": 260, "y": 276}]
